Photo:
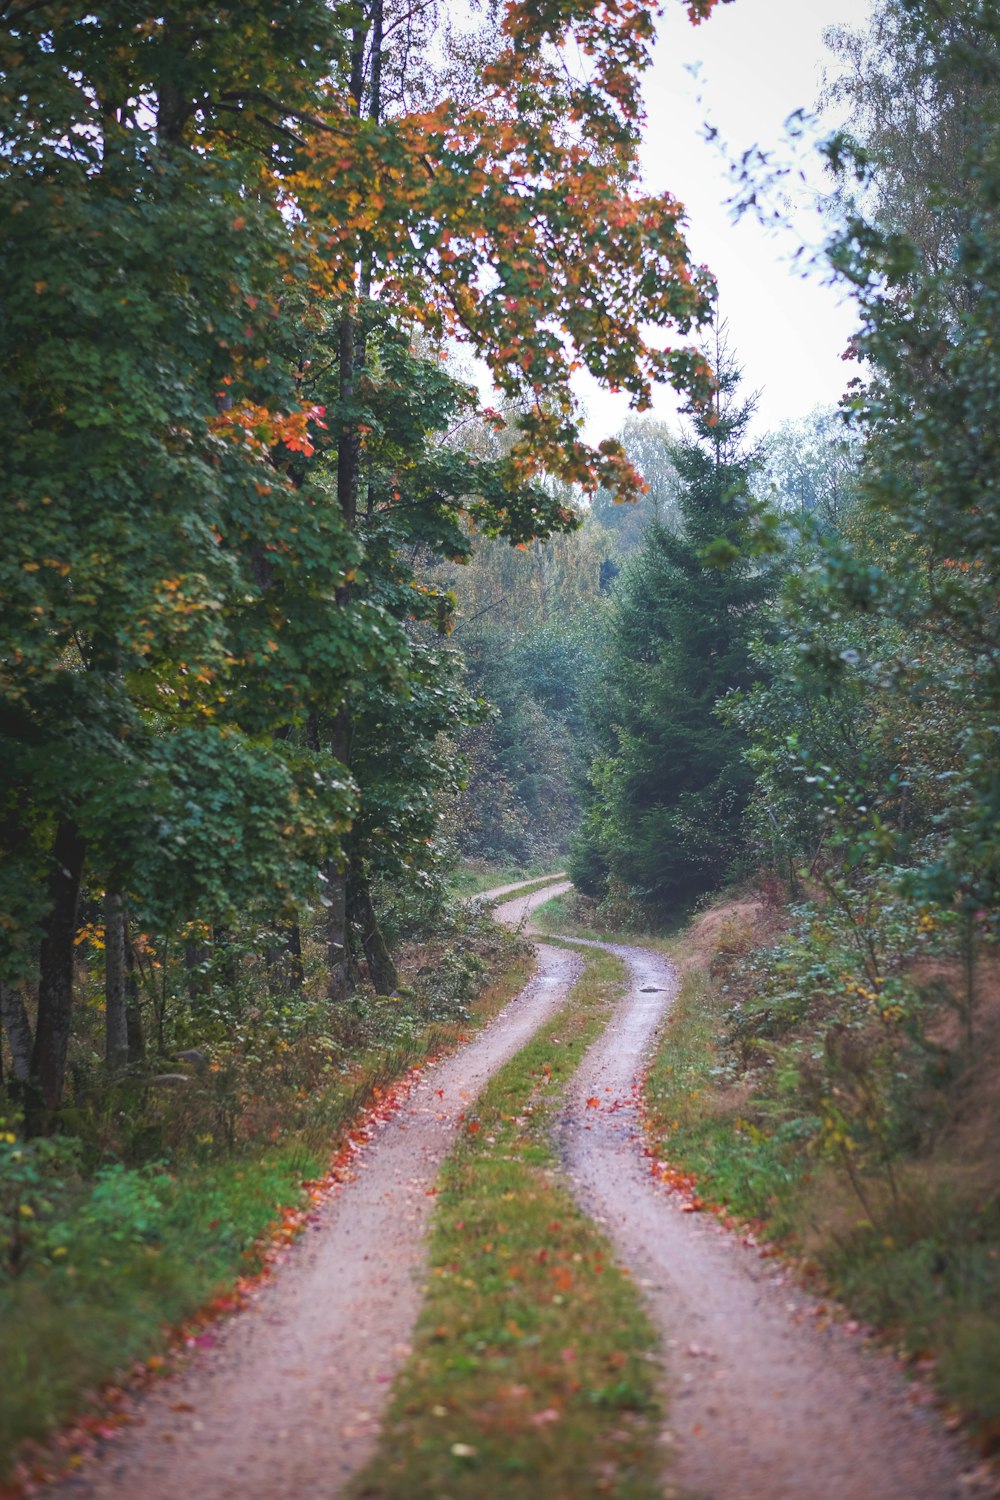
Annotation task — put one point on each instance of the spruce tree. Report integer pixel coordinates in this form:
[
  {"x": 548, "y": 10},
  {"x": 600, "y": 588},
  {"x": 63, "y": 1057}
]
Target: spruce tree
[{"x": 668, "y": 785}]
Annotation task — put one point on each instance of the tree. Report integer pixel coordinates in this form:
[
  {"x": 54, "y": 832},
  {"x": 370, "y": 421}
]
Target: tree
[
  {"x": 649, "y": 444},
  {"x": 189, "y": 623},
  {"x": 137, "y": 742},
  {"x": 668, "y": 784},
  {"x": 512, "y": 219},
  {"x": 919, "y": 244},
  {"x": 810, "y": 468}
]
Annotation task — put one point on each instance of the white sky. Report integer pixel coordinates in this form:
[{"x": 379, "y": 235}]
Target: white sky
[{"x": 757, "y": 61}]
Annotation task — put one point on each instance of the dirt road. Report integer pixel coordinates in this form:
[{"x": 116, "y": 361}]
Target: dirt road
[
  {"x": 287, "y": 1402},
  {"x": 762, "y": 1405}
]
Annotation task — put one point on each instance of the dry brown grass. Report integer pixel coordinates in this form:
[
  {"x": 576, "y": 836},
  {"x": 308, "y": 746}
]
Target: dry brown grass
[{"x": 728, "y": 930}]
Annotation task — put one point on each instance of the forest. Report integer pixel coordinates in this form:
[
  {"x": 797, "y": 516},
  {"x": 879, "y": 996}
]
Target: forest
[{"x": 321, "y": 614}]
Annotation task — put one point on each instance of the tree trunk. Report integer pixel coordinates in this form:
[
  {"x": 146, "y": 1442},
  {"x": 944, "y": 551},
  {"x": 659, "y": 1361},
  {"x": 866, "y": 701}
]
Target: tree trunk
[
  {"x": 14, "y": 1020},
  {"x": 225, "y": 960},
  {"x": 351, "y": 356},
  {"x": 296, "y": 969},
  {"x": 381, "y": 969},
  {"x": 284, "y": 962},
  {"x": 337, "y": 953},
  {"x": 55, "y": 986},
  {"x": 115, "y": 1019},
  {"x": 335, "y": 870},
  {"x": 133, "y": 1015}
]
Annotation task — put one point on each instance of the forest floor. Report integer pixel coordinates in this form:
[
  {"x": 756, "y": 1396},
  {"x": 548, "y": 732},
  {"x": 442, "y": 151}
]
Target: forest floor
[{"x": 762, "y": 1399}]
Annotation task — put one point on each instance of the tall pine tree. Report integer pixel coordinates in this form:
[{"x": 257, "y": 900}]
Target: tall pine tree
[{"x": 668, "y": 784}]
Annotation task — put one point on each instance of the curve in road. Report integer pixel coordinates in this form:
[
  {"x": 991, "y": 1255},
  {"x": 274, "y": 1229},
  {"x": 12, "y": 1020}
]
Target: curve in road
[
  {"x": 763, "y": 1405},
  {"x": 288, "y": 1399}
]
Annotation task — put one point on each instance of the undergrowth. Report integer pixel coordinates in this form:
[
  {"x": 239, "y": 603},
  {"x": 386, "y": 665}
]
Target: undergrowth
[
  {"x": 531, "y": 1371},
  {"x": 824, "y": 1087},
  {"x": 102, "y": 1253},
  {"x": 575, "y": 915}
]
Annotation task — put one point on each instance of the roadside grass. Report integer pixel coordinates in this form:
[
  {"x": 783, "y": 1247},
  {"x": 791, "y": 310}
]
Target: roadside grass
[
  {"x": 576, "y": 916},
  {"x": 474, "y": 876},
  {"x": 97, "y": 1273},
  {"x": 532, "y": 1371},
  {"x": 531, "y": 887},
  {"x": 696, "y": 1125},
  {"x": 138, "y": 1260},
  {"x": 920, "y": 1261}
]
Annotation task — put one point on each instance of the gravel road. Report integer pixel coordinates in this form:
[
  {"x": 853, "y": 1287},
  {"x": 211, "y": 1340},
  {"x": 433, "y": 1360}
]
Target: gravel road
[
  {"x": 287, "y": 1401},
  {"x": 763, "y": 1404}
]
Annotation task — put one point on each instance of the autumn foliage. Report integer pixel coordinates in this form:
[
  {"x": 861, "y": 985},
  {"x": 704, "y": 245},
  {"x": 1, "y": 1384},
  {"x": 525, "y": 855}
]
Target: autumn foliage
[{"x": 224, "y": 238}]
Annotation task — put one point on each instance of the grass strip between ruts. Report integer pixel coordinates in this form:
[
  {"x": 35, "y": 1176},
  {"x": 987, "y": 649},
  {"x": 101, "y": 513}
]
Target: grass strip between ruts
[{"x": 532, "y": 1371}]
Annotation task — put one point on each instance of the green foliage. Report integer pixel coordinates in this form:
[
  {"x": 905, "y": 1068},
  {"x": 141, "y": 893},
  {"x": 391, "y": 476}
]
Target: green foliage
[
  {"x": 525, "y": 626},
  {"x": 667, "y": 785},
  {"x": 34, "y": 1179},
  {"x": 138, "y": 650},
  {"x": 928, "y": 290},
  {"x": 519, "y": 803}
]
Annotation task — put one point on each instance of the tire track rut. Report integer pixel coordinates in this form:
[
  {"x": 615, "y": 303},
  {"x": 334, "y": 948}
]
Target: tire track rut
[
  {"x": 762, "y": 1405},
  {"x": 287, "y": 1401}
]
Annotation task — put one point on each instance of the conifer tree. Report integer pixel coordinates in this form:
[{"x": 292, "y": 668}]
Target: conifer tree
[{"x": 668, "y": 785}]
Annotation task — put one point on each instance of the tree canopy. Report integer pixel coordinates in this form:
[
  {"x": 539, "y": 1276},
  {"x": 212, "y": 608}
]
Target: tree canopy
[{"x": 224, "y": 240}]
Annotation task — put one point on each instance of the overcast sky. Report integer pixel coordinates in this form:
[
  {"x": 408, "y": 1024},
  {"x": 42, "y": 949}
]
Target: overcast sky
[{"x": 754, "y": 62}]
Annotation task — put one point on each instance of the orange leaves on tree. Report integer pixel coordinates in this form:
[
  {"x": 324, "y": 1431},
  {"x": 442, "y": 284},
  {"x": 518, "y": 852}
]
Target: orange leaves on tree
[
  {"x": 264, "y": 430},
  {"x": 502, "y": 225}
]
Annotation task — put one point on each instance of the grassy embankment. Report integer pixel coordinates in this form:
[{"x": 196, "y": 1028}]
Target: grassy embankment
[
  {"x": 852, "y": 1115},
  {"x": 531, "y": 1371},
  {"x": 575, "y": 916},
  {"x": 100, "y": 1258}
]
